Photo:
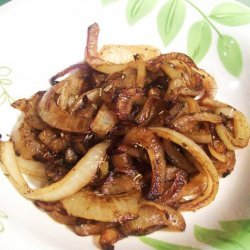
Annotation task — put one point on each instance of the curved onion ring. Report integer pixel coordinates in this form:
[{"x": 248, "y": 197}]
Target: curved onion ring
[
  {"x": 106, "y": 208},
  {"x": 147, "y": 140},
  {"x": 92, "y": 56},
  {"x": 185, "y": 122},
  {"x": 78, "y": 177},
  {"x": 206, "y": 167},
  {"x": 241, "y": 135},
  {"x": 56, "y": 117},
  {"x": 175, "y": 219}
]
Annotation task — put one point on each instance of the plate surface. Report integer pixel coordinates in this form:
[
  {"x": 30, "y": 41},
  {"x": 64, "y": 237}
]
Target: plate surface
[{"x": 40, "y": 38}]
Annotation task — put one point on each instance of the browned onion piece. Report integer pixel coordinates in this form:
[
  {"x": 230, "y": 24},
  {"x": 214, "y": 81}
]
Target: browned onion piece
[
  {"x": 199, "y": 136},
  {"x": 110, "y": 208},
  {"x": 117, "y": 184},
  {"x": 208, "y": 83},
  {"x": 173, "y": 56},
  {"x": 29, "y": 108},
  {"x": 83, "y": 67},
  {"x": 147, "y": 140},
  {"x": 104, "y": 121},
  {"x": 225, "y": 168},
  {"x": 217, "y": 155},
  {"x": 148, "y": 112},
  {"x": 26, "y": 142},
  {"x": 109, "y": 237},
  {"x": 213, "y": 103},
  {"x": 57, "y": 212},
  {"x": 92, "y": 56},
  {"x": 205, "y": 166},
  {"x": 171, "y": 194},
  {"x": 185, "y": 123},
  {"x": 63, "y": 218},
  {"x": 196, "y": 185},
  {"x": 177, "y": 158},
  {"x": 84, "y": 228},
  {"x": 126, "y": 98},
  {"x": 175, "y": 220},
  {"x": 123, "y": 164},
  {"x": 241, "y": 133},
  {"x": 56, "y": 117},
  {"x": 149, "y": 220},
  {"x": 193, "y": 106},
  {"x": 141, "y": 71}
]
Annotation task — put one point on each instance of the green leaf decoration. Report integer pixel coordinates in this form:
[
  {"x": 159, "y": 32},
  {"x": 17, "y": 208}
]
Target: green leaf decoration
[
  {"x": 137, "y": 9},
  {"x": 2, "y": 2},
  {"x": 199, "y": 40},
  {"x": 161, "y": 245},
  {"x": 105, "y": 2},
  {"x": 235, "y": 226},
  {"x": 230, "y": 54},
  {"x": 231, "y": 14},
  {"x": 225, "y": 240},
  {"x": 170, "y": 20},
  {"x": 246, "y": 2}
]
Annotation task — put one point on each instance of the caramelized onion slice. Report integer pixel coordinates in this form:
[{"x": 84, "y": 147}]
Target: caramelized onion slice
[
  {"x": 185, "y": 123},
  {"x": 106, "y": 208},
  {"x": 26, "y": 142},
  {"x": 196, "y": 185},
  {"x": 219, "y": 156},
  {"x": 199, "y": 136},
  {"x": 92, "y": 56},
  {"x": 104, "y": 121},
  {"x": 241, "y": 135},
  {"x": 109, "y": 237},
  {"x": 175, "y": 220},
  {"x": 147, "y": 140},
  {"x": 149, "y": 220},
  {"x": 90, "y": 227},
  {"x": 52, "y": 114},
  {"x": 78, "y": 177},
  {"x": 205, "y": 166}
]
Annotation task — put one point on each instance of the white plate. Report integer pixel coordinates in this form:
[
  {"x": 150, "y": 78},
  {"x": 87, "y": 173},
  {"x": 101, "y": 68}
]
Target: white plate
[{"x": 40, "y": 38}]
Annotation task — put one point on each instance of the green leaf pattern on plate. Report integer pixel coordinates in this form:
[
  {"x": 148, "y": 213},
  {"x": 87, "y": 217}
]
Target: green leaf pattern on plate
[
  {"x": 161, "y": 245},
  {"x": 170, "y": 19},
  {"x": 231, "y": 14},
  {"x": 230, "y": 54},
  {"x": 105, "y": 2},
  {"x": 236, "y": 235},
  {"x": 2, "y": 2},
  {"x": 137, "y": 9},
  {"x": 199, "y": 40}
]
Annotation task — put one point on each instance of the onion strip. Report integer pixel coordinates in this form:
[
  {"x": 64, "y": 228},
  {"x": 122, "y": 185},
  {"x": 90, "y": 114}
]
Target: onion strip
[
  {"x": 78, "y": 177},
  {"x": 206, "y": 167},
  {"x": 106, "y": 208}
]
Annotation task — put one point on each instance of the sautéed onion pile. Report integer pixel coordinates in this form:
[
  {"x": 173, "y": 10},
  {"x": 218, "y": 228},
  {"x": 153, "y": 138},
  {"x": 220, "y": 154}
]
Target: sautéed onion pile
[{"x": 121, "y": 148}]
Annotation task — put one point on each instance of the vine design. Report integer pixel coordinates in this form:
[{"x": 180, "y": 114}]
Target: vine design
[
  {"x": 4, "y": 216},
  {"x": 172, "y": 16},
  {"x": 4, "y": 83}
]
